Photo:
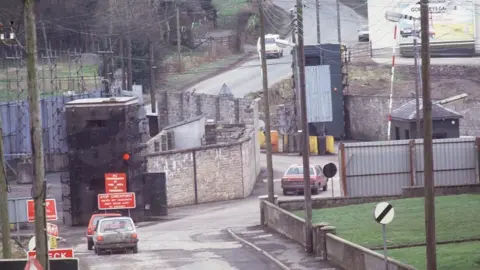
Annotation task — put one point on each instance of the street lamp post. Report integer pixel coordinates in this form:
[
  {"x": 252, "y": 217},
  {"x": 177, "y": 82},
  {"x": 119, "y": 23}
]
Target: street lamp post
[{"x": 396, "y": 17}]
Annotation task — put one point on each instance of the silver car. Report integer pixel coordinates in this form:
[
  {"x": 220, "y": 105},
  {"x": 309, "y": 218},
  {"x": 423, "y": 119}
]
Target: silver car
[{"x": 115, "y": 233}]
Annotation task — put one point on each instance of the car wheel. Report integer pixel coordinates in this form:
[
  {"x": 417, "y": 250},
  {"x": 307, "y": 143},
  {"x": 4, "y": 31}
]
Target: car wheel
[
  {"x": 324, "y": 188},
  {"x": 315, "y": 190},
  {"x": 89, "y": 245},
  {"x": 135, "y": 249},
  {"x": 284, "y": 192}
]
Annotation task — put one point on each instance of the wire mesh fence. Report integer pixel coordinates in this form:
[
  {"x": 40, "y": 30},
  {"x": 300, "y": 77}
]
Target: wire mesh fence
[{"x": 61, "y": 77}]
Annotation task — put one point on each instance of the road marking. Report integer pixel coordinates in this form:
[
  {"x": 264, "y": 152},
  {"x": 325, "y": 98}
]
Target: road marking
[
  {"x": 274, "y": 180},
  {"x": 263, "y": 236},
  {"x": 252, "y": 232}
]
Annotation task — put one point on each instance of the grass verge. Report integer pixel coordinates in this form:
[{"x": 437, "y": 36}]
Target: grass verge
[
  {"x": 450, "y": 256},
  {"x": 228, "y": 7},
  {"x": 456, "y": 218}
]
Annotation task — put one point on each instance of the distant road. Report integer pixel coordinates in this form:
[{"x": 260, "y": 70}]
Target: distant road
[{"x": 247, "y": 78}]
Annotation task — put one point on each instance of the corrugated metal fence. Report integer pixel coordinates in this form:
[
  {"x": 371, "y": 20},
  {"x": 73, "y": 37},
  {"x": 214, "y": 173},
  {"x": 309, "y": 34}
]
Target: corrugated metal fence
[
  {"x": 383, "y": 168},
  {"x": 16, "y": 122}
]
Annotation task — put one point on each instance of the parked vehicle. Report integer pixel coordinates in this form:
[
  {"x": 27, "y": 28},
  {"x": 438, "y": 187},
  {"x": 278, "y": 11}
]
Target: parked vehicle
[
  {"x": 115, "y": 233},
  {"x": 92, "y": 224},
  {"x": 363, "y": 34},
  {"x": 292, "y": 180},
  {"x": 271, "y": 46}
]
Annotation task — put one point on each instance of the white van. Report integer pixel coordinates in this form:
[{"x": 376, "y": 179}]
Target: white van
[{"x": 271, "y": 47}]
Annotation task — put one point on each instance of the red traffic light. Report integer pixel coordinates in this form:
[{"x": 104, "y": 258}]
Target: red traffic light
[{"x": 126, "y": 156}]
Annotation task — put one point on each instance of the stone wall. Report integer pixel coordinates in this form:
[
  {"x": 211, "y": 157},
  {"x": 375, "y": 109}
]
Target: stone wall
[
  {"x": 208, "y": 173},
  {"x": 215, "y": 172},
  {"x": 367, "y": 115},
  {"x": 174, "y": 107}
]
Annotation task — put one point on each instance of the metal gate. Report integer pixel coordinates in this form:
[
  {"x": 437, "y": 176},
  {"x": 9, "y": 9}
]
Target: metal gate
[{"x": 155, "y": 194}]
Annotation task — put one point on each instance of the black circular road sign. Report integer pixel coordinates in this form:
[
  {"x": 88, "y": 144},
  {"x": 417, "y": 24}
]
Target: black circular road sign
[{"x": 329, "y": 170}]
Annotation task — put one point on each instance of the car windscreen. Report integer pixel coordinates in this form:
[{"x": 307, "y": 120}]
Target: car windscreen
[
  {"x": 298, "y": 170},
  {"x": 116, "y": 225},
  {"x": 95, "y": 220},
  {"x": 269, "y": 41}
]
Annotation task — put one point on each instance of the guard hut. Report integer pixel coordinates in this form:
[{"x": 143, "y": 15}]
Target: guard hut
[
  {"x": 446, "y": 122},
  {"x": 100, "y": 131}
]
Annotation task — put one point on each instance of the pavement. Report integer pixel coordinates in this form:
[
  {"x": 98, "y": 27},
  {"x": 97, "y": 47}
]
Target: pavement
[
  {"x": 286, "y": 253},
  {"x": 198, "y": 237},
  {"x": 247, "y": 77}
]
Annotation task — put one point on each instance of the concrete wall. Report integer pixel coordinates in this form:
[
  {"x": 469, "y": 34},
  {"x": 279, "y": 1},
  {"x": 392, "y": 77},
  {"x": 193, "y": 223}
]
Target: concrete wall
[
  {"x": 351, "y": 256},
  {"x": 283, "y": 222},
  {"x": 408, "y": 192},
  {"x": 319, "y": 203},
  {"x": 188, "y": 135},
  {"x": 326, "y": 244}
]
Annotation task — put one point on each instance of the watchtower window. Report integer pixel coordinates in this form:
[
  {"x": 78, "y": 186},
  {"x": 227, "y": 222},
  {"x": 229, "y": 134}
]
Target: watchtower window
[{"x": 96, "y": 123}]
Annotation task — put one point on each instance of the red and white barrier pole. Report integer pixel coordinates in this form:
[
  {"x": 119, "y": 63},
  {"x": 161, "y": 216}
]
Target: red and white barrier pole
[{"x": 392, "y": 77}]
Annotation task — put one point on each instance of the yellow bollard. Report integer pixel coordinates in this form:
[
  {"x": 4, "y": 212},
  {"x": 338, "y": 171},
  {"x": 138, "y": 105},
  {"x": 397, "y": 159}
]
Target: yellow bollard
[
  {"x": 261, "y": 139},
  {"x": 330, "y": 141},
  {"x": 313, "y": 145}
]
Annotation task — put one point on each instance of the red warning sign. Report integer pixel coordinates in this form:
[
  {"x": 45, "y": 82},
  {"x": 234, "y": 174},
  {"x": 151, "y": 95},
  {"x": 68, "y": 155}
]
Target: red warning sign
[
  {"x": 116, "y": 201},
  {"x": 50, "y": 209},
  {"x": 115, "y": 183}
]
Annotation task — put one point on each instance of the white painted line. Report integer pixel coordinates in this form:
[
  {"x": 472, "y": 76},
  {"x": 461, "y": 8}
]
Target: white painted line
[
  {"x": 263, "y": 236},
  {"x": 274, "y": 180},
  {"x": 266, "y": 254},
  {"x": 253, "y": 232}
]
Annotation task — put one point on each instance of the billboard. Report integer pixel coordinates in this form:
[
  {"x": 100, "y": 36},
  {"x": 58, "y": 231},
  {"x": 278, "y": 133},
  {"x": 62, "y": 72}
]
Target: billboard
[{"x": 452, "y": 26}]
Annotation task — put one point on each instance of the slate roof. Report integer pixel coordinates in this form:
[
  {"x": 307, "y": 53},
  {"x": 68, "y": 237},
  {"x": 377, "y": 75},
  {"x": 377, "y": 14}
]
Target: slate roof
[{"x": 408, "y": 112}]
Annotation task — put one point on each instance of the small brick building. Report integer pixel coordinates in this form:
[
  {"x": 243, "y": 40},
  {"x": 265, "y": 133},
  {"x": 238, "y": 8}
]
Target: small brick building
[{"x": 446, "y": 122}]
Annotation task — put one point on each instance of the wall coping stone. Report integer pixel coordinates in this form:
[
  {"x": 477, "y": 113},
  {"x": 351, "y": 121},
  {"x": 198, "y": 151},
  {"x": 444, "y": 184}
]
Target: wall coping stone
[
  {"x": 283, "y": 211},
  {"x": 200, "y": 148},
  {"x": 366, "y": 250}
]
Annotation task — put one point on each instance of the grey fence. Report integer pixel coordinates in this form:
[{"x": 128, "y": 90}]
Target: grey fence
[
  {"x": 16, "y": 122},
  {"x": 385, "y": 167}
]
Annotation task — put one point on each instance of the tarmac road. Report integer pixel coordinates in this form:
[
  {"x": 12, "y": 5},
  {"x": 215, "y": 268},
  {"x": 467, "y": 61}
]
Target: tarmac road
[
  {"x": 247, "y": 77},
  {"x": 195, "y": 237}
]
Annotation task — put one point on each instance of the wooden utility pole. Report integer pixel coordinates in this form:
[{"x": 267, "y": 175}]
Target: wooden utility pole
[
  {"x": 429, "y": 183},
  {"x": 39, "y": 189},
  {"x": 122, "y": 62},
  {"x": 266, "y": 94},
  {"x": 339, "y": 26},
  {"x": 305, "y": 138},
  {"x": 317, "y": 9},
  {"x": 5, "y": 222},
  {"x": 129, "y": 63},
  {"x": 179, "y": 40},
  {"x": 152, "y": 77},
  {"x": 110, "y": 34}
]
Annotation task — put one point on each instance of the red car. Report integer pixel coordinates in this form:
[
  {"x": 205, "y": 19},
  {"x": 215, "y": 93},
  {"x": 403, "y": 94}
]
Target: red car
[
  {"x": 292, "y": 180},
  {"x": 93, "y": 223}
]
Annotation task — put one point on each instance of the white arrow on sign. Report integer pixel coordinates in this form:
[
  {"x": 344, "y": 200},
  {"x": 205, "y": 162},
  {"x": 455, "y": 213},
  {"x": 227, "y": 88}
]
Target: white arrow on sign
[{"x": 384, "y": 213}]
